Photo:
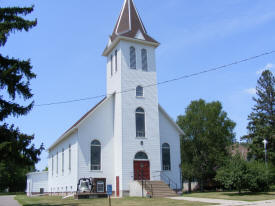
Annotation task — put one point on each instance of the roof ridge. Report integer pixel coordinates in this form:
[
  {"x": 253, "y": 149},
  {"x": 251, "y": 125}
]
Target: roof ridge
[
  {"x": 129, "y": 23},
  {"x": 77, "y": 122}
]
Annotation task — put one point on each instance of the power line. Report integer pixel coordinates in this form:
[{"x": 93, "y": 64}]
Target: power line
[{"x": 163, "y": 82}]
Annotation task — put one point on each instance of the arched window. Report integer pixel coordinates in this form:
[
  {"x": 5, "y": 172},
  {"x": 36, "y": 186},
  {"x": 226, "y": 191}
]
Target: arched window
[
  {"x": 62, "y": 160},
  {"x": 133, "y": 58},
  {"x": 70, "y": 157},
  {"x": 116, "y": 60},
  {"x": 95, "y": 155},
  {"x": 52, "y": 164},
  {"x": 140, "y": 122},
  {"x": 144, "y": 60},
  {"x": 141, "y": 156},
  {"x": 166, "y": 162},
  {"x": 139, "y": 91},
  {"x": 111, "y": 65},
  {"x": 56, "y": 162}
]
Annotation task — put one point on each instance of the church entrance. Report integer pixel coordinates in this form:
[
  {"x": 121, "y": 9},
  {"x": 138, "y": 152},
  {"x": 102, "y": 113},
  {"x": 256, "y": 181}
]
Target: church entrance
[{"x": 141, "y": 167}]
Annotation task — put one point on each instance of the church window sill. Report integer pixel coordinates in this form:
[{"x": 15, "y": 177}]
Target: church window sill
[
  {"x": 97, "y": 171},
  {"x": 141, "y": 138}
]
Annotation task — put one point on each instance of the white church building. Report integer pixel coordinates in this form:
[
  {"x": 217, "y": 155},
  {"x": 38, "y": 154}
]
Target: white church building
[{"x": 127, "y": 136}]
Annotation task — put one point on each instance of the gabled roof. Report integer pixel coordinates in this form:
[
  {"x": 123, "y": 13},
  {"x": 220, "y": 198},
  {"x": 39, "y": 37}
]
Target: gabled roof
[
  {"x": 171, "y": 120},
  {"x": 75, "y": 125},
  {"x": 129, "y": 23},
  {"x": 72, "y": 128}
]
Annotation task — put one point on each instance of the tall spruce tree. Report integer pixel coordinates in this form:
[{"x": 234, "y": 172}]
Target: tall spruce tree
[
  {"x": 262, "y": 119},
  {"x": 208, "y": 133},
  {"x": 17, "y": 153}
]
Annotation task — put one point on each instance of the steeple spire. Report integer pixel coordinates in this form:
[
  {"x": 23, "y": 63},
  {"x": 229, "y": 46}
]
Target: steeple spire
[{"x": 129, "y": 24}]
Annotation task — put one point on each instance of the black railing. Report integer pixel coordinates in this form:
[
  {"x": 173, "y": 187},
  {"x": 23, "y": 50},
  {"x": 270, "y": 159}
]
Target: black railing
[
  {"x": 170, "y": 181},
  {"x": 172, "y": 184},
  {"x": 144, "y": 184}
]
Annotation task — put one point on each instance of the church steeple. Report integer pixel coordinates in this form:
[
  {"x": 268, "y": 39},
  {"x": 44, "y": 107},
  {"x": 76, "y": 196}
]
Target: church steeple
[{"x": 130, "y": 25}]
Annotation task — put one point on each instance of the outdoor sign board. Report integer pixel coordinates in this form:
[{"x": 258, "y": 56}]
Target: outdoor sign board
[{"x": 109, "y": 190}]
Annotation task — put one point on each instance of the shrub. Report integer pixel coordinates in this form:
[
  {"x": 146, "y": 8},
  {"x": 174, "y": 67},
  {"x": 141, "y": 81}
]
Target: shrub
[
  {"x": 240, "y": 174},
  {"x": 257, "y": 176}
]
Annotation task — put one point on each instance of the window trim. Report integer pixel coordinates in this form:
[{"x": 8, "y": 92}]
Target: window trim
[
  {"x": 52, "y": 164},
  {"x": 136, "y": 159},
  {"x": 132, "y": 47},
  {"x": 111, "y": 59},
  {"x": 57, "y": 162},
  {"x": 144, "y": 136},
  {"x": 116, "y": 61},
  {"x": 70, "y": 158},
  {"x": 139, "y": 86},
  {"x": 100, "y": 165},
  {"x": 164, "y": 147},
  {"x": 146, "y": 55},
  {"x": 63, "y": 161}
]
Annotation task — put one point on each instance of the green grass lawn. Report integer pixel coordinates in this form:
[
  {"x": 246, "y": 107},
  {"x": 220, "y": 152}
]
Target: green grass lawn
[
  {"x": 57, "y": 201},
  {"x": 248, "y": 196}
]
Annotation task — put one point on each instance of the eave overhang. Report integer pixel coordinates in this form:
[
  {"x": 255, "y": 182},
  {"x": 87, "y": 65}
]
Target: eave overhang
[{"x": 114, "y": 43}]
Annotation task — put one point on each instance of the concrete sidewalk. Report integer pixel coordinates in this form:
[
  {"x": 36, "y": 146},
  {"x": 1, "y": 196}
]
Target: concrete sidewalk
[
  {"x": 8, "y": 201},
  {"x": 227, "y": 202}
]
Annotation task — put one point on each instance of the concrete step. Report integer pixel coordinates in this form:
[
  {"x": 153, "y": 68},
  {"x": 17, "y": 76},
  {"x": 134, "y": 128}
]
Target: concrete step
[{"x": 160, "y": 189}]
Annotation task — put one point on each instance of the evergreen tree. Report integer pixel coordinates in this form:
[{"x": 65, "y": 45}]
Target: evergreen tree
[
  {"x": 15, "y": 74},
  {"x": 208, "y": 133},
  {"x": 17, "y": 154},
  {"x": 262, "y": 119}
]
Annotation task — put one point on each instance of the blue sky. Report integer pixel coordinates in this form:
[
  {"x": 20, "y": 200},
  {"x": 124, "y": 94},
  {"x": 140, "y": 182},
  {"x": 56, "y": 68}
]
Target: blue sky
[{"x": 66, "y": 46}]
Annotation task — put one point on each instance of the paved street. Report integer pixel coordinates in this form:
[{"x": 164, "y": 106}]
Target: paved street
[
  {"x": 8, "y": 201},
  {"x": 227, "y": 202}
]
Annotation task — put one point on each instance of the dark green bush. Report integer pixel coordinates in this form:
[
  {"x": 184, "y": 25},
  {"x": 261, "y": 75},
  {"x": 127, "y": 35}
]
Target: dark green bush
[
  {"x": 257, "y": 177},
  {"x": 239, "y": 174}
]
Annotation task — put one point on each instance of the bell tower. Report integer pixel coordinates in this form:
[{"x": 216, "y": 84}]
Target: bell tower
[{"x": 131, "y": 74}]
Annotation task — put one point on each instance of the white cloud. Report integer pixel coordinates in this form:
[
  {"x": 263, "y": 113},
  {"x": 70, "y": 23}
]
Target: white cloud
[
  {"x": 251, "y": 91},
  {"x": 268, "y": 66}
]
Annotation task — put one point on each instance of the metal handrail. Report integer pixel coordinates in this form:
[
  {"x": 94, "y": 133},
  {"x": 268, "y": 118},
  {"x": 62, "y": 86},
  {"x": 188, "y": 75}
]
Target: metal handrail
[
  {"x": 145, "y": 185},
  {"x": 170, "y": 180},
  {"x": 162, "y": 175}
]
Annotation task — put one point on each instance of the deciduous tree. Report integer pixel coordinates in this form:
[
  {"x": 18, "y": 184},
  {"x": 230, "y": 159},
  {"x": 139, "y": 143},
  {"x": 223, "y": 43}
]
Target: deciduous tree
[{"x": 208, "y": 133}]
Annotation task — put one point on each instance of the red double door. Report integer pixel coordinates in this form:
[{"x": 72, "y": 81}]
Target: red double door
[{"x": 141, "y": 170}]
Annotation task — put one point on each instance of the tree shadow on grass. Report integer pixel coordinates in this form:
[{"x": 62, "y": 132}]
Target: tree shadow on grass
[{"x": 248, "y": 194}]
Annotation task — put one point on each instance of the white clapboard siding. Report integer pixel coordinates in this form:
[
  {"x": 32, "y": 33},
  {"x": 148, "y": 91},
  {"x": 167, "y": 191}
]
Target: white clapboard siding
[
  {"x": 37, "y": 181},
  {"x": 64, "y": 181},
  {"x": 97, "y": 126},
  {"x": 170, "y": 134}
]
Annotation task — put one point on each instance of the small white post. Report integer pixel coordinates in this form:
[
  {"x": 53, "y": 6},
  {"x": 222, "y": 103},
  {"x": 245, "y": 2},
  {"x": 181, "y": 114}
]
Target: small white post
[{"x": 265, "y": 143}]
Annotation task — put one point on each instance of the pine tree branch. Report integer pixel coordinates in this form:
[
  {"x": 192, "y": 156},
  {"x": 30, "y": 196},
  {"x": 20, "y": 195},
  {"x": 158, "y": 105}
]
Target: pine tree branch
[
  {"x": 9, "y": 108},
  {"x": 16, "y": 11},
  {"x": 12, "y": 74},
  {"x": 11, "y": 22}
]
